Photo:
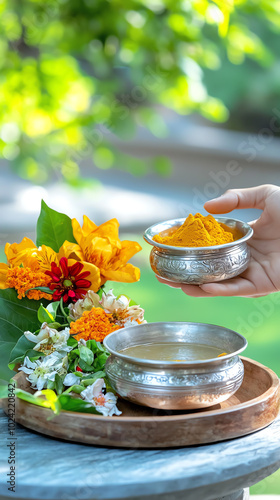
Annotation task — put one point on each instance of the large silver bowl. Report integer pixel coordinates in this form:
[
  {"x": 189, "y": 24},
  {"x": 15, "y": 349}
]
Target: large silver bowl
[
  {"x": 198, "y": 265},
  {"x": 175, "y": 385}
]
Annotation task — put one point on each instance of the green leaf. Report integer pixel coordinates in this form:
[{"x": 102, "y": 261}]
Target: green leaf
[
  {"x": 30, "y": 398},
  {"x": 53, "y": 228},
  {"x": 86, "y": 354},
  {"x": 85, "y": 366},
  {"x": 58, "y": 384},
  {"x": 78, "y": 374},
  {"x": 99, "y": 362},
  {"x": 44, "y": 316},
  {"x": 55, "y": 325},
  {"x": 16, "y": 317},
  {"x": 74, "y": 388},
  {"x": 51, "y": 385},
  {"x": 74, "y": 404},
  {"x": 22, "y": 348},
  {"x": 92, "y": 345},
  {"x": 101, "y": 291},
  {"x": 72, "y": 342},
  {"x": 56, "y": 403},
  {"x": 3, "y": 389},
  {"x": 52, "y": 308},
  {"x": 88, "y": 381},
  {"x": 44, "y": 289}
]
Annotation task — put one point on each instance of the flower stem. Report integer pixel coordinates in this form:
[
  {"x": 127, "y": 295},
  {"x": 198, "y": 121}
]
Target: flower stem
[{"x": 62, "y": 308}]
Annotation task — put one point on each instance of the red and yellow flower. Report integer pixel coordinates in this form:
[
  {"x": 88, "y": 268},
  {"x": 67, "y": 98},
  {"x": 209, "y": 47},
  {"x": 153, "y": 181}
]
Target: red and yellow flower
[
  {"x": 98, "y": 256},
  {"x": 68, "y": 282}
]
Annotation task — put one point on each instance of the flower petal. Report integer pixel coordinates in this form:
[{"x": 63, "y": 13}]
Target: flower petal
[
  {"x": 126, "y": 274},
  {"x": 110, "y": 230},
  {"x": 46, "y": 257},
  {"x": 64, "y": 265},
  {"x": 80, "y": 232},
  {"x": 70, "y": 251},
  {"x": 94, "y": 274},
  {"x": 3, "y": 275},
  {"x": 76, "y": 268},
  {"x": 128, "y": 250},
  {"x": 71, "y": 379}
]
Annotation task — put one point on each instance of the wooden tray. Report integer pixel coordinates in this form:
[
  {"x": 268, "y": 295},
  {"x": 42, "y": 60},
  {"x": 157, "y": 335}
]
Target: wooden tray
[{"x": 254, "y": 406}]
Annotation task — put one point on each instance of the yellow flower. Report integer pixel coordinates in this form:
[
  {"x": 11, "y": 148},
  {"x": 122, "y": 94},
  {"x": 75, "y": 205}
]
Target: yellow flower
[
  {"x": 3, "y": 275},
  {"x": 23, "y": 253},
  {"x": 101, "y": 246}
]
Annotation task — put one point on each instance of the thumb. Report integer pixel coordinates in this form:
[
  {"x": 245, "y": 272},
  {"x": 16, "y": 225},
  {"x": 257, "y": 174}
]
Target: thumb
[{"x": 254, "y": 197}]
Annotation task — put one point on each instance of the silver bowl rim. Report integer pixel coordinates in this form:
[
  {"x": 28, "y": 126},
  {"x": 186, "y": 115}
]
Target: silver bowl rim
[
  {"x": 177, "y": 364},
  {"x": 152, "y": 230}
]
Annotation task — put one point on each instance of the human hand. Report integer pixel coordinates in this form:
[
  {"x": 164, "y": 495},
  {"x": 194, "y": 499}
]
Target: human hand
[{"x": 263, "y": 274}]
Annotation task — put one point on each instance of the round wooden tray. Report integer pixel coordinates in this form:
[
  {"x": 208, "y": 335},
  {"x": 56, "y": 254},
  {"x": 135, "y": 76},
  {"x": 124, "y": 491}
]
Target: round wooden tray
[{"x": 254, "y": 406}]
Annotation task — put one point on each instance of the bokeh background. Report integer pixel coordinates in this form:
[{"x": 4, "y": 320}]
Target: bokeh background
[{"x": 142, "y": 110}]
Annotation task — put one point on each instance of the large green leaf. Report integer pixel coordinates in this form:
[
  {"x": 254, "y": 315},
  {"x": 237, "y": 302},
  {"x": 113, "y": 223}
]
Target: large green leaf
[
  {"x": 3, "y": 389},
  {"x": 16, "y": 317},
  {"x": 22, "y": 348},
  {"x": 53, "y": 228}
]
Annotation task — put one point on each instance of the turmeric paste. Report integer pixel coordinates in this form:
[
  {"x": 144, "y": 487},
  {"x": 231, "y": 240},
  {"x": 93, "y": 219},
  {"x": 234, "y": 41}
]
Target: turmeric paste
[{"x": 197, "y": 231}]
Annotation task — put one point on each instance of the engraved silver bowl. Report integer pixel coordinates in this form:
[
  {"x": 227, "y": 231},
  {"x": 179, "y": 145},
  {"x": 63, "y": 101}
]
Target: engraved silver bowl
[
  {"x": 175, "y": 385},
  {"x": 198, "y": 265}
]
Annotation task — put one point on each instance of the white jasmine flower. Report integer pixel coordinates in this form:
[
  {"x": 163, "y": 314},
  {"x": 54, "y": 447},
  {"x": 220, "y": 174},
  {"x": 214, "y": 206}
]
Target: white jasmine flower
[
  {"x": 111, "y": 304},
  {"x": 90, "y": 300},
  {"x": 124, "y": 315},
  {"x": 39, "y": 372},
  {"x": 82, "y": 342},
  {"x": 71, "y": 379},
  {"x": 49, "y": 340},
  {"x": 104, "y": 403}
]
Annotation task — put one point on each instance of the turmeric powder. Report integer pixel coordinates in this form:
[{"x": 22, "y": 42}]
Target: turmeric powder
[{"x": 197, "y": 231}]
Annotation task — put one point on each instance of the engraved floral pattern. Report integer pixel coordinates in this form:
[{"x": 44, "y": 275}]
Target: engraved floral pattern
[
  {"x": 204, "y": 268},
  {"x": 120, "y": 370}
]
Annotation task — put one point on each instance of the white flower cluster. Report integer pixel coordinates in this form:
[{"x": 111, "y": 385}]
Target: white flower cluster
[
  {"x": 42, "y": 370},
  {"x": 39, "y": 372},
  {"x": 124, "y": 315},
  {"x": 49, "y": 340}
]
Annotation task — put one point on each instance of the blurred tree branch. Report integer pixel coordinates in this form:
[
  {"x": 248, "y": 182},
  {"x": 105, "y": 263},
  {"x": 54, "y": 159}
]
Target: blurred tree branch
[{"x": 72, "y": 70}]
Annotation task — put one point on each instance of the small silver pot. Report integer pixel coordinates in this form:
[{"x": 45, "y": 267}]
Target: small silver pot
[
  {"x": 198, "y": 265},
  {"x": 175, "y": 385}
]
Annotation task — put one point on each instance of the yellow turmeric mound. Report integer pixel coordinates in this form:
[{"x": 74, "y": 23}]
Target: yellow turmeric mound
[{"x": 197, "y": 231}]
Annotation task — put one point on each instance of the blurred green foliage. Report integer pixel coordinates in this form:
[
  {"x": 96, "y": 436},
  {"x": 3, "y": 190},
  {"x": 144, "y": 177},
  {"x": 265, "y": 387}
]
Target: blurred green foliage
[{"x": 73, "y": 72}]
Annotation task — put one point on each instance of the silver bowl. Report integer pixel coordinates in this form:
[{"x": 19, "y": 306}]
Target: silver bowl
[
  {"x": 175, "y": 385},
  {"x": 198, "y": 265}
]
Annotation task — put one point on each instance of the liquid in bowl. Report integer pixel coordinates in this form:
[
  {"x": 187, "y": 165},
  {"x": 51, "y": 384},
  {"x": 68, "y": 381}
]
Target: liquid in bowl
[{"x": 172, "y": 351}]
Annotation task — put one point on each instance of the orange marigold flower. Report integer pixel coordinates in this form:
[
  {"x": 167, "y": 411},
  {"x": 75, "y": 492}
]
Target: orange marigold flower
[
  {"x": 94, "y": 324},
  {"x": 23, "y": 278}
]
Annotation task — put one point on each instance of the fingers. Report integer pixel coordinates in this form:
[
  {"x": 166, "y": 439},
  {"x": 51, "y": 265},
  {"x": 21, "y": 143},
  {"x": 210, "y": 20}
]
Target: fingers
[
  {"x": 195, "y": 291},
  {"x": 191, "y": 290},
  {"x": 239, "y": 287},
  {"x": 254, "y": 197}
]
